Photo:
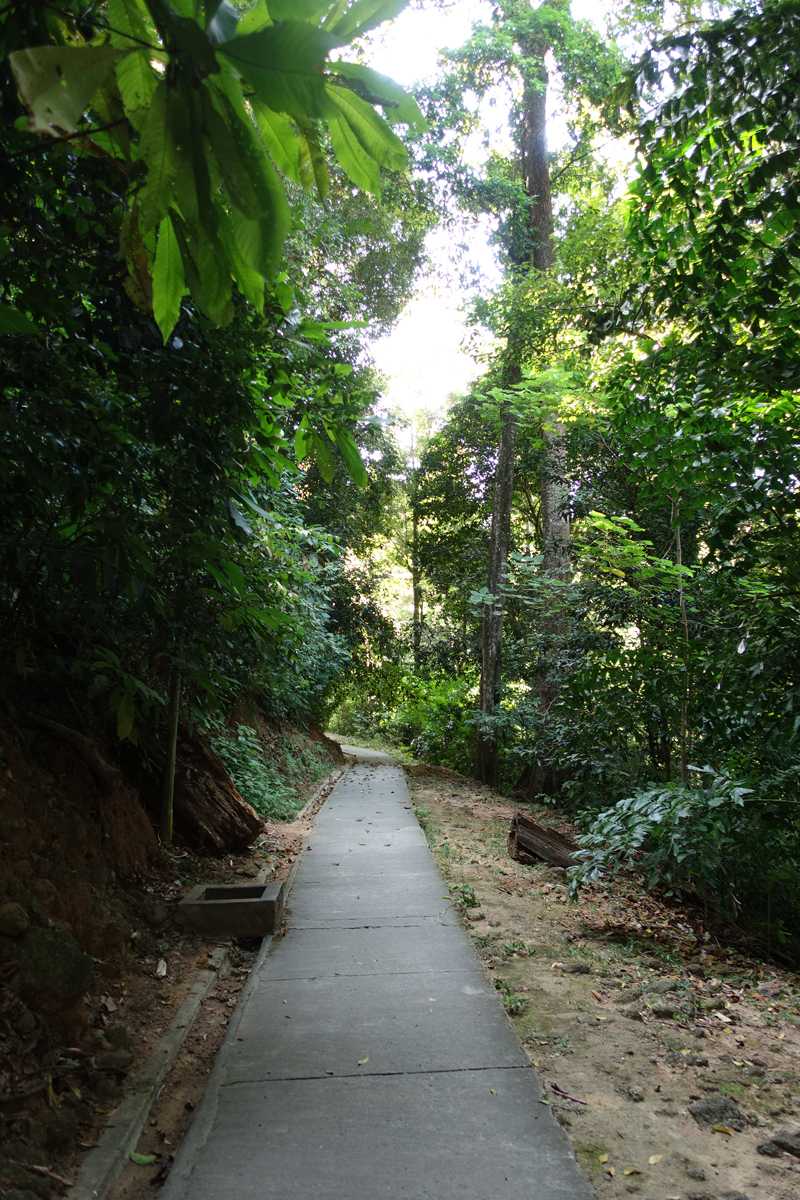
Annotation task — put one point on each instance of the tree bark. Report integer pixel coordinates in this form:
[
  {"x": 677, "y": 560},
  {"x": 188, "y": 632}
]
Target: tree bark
[
  {"x": 536, "y": 167},
  {"x": 416, "y": 584},
  {"x": 487, "y": 757},
  {"x": 168, "y": 781},
  {"x": 539, "y": 255}
]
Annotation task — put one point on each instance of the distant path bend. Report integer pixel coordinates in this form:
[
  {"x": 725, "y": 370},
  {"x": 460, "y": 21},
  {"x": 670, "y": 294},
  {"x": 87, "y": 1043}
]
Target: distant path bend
[{"x": 372, "y": 1057}]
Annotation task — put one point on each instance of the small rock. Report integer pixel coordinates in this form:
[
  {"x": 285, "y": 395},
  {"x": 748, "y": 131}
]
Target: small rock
[
  {"x": 477, "y": 915},
  {"x": 494, "y": 923},
  {"x": 676, "y": 1059},
  {"x": 577, "y": 968},
  {"x": 634, "y": 1012},
  {"x": 790, "y": 1142},
  {"x": 696, "y": 1173},
  {"x": 13, "y": 920},
  {"x": 114, "y": 1060},
  {"x": 104, "y": 1090},
  {"x": 156, "y": 915},
  {"x": 635, "y": 1094},
  {"x": 716, "y": 1110},
  {"x": 665, "y": 1011},
  {"x": 119, "y": 1036},
  {"x": 25, "y": 1023},
  {"x": 661, "y": 986}
]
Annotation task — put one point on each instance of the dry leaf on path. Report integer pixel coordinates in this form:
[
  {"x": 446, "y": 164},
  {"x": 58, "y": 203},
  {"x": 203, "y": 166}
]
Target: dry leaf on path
[
  {"x": 654, "y": 1158},
  {"x": 362, "y": 1061}
]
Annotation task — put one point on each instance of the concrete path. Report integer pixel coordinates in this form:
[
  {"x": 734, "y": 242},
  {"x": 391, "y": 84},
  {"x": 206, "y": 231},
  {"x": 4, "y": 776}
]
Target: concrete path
[{"x": 371, "y": 1056}]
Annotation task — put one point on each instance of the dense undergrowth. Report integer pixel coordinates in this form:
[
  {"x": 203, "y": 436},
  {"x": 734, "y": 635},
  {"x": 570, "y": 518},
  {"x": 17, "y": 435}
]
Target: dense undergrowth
[{"x": 271, "y": 778}]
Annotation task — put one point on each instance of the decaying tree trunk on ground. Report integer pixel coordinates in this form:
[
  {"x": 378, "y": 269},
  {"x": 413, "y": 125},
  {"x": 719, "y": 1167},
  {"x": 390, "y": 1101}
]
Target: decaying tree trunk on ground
[
  {"x": 208, "y": 810},
  {"x": 529, "y": 842}
]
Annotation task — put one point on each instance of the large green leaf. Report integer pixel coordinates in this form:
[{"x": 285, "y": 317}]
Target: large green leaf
[
  {"x": 270, "y": 196},
  {"x": 57, "y": 83},
  {"x": 400, "y": 107},
  {"x": 352, "y": 458},
  {"x": 169, "y": 280},
  {"x": 137, "y": 82},
  {"x": 110, "y": 111},
  {"x": 353, "y": 160},
  {"x": 280, "y": 140},
  {"x": 257, "y": 17},
  {"x": 237, "y": 179},
  {"x": 259, "y": 243},
  {"x": 249, "y": 281},
  {"x": 312, "y": 166},
  {"x": 13, "y": 321},
  {"x": 363, "y": 16},
  {"x": 373, "y": 133},
  {"x": 130, "y": 25},
  {"x": 281, "y": 64},
  {"x": 297, "y": 10},
  {"x": 157, "y": 147},
  {"x": 206, "y": 272}
]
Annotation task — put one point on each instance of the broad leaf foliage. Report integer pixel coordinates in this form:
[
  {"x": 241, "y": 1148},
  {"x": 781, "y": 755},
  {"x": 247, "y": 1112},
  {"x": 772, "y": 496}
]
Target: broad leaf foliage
[{"x": 199, "y": 107}]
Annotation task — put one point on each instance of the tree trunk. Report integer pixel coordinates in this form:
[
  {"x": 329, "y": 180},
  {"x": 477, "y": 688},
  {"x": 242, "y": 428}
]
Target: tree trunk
[
  {"x": 487, "y": 757},
  {"x": 536, "y": 168},
  {"x": 676, "y": 517},
  {"x": 416, "y": 585},
  {"x": 540, "y": 255}
]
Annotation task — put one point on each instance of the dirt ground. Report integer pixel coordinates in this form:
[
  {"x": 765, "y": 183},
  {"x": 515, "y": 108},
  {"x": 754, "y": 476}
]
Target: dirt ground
[{"x": 631, "y": 1012}]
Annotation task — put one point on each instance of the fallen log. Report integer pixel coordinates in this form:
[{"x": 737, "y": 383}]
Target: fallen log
[
  {"x": 208, "y": 810},
  {"x": 529, "y": 842}
]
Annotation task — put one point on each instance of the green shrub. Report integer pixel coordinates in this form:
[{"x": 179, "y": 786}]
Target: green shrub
[
  {"x": 724, "y": 842},
  {"x": 267, "y": 783}
]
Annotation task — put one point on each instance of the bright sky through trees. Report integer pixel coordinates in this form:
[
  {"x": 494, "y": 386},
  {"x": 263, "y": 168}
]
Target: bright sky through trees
[{"x": 423, "y": 357}]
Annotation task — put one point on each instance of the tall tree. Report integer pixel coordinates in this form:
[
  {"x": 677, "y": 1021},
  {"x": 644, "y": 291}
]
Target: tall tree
[{"x": 516, "y": 50}]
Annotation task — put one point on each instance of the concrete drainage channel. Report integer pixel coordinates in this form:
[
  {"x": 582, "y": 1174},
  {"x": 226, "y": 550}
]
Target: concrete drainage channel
[
  {"x": 103, "y": 1164},
  {"x": 238, "y": 910}
]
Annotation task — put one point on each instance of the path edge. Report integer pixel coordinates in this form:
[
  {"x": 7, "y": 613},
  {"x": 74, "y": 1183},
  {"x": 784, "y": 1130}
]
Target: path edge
[{"x": 105, "y": 1162}]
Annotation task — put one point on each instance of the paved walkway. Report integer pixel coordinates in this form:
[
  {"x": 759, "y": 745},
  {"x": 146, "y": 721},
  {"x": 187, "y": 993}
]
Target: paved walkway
[{"x": 370, "y": 1056}]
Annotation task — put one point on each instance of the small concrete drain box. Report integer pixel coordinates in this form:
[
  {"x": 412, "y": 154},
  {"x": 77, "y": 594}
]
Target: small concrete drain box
[{"x": 234, "y": 910}]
